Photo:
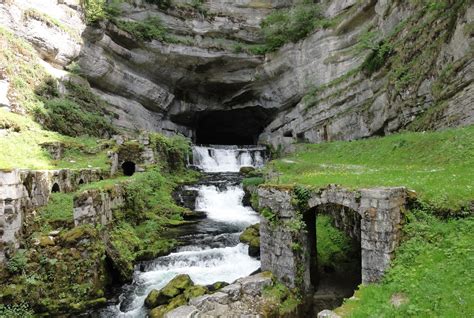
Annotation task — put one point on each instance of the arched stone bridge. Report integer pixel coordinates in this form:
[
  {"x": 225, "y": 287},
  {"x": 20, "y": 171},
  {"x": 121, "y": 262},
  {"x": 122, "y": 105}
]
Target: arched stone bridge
[{"x": 372, "y": 216}]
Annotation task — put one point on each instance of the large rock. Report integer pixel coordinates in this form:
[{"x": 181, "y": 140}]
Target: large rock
[
  {"x": 175, "y": 287},
  {"x": 251, "y": 236}
]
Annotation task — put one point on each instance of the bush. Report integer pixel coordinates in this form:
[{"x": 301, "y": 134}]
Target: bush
[
  {"x": 17, "y": 263},
  {"x": 15, "y": 311},
  {"x": 69, "y": 118},
  {"x": 290, "y": 25},
  {"x": 380, "y": 51},
  {"x": 79, "y": 112},
  {"x": 149, "y": 29},
  {"x": 99, "y": 10}
]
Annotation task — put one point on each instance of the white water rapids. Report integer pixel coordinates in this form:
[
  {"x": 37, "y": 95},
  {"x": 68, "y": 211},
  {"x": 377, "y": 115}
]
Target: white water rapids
[{"x": 215, "y": 254}]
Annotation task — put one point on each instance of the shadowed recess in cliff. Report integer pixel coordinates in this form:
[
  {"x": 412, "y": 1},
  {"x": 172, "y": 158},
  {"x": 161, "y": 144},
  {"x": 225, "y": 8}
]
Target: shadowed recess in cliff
[
  {"x": 228, "y": 127},
  {"x": 233, "y": 127}
]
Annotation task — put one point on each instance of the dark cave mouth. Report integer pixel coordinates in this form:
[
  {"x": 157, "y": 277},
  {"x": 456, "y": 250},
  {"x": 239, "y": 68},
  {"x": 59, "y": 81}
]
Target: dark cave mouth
[{"x": 231, "y": 127}]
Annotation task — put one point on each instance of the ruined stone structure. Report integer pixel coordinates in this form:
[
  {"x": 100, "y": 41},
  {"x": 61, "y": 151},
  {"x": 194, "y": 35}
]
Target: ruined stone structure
[
  {"x": 376, "y": 224},
  {"x": 95, "y": 206},
  {"x": 23, "y": 191}
]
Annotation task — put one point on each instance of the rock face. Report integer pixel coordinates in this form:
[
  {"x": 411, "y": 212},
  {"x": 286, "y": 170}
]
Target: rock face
[
  {"x": 202, "y": 86},
  {"x": 95, "y": 206},
  {"x": 372, "y": 216}
]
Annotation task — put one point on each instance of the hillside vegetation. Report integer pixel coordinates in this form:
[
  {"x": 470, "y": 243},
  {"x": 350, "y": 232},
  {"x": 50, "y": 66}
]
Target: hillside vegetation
[{"x": 437, "y": 165}]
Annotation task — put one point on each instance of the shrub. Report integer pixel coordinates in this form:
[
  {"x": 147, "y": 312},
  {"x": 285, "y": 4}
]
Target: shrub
[
  {"x": 290, "y": 25},
  {"x": 17, "y": 263},
  {"x": 69, "y": 118},
  {"x": 98, "y": 10},
  {"x": 149, "y": 29},
  {"x": 16, "y": 311},
  {"x": 380, "y": 51},
  {"x": 79, "y": 112}
]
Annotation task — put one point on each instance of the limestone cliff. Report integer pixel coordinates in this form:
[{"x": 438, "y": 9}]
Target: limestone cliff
[{"x": 201, "y": 83}]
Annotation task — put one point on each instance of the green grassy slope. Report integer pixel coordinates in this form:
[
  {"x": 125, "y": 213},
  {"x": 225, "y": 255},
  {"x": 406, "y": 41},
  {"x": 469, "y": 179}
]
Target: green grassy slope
[{"x": 439, "y": 166}]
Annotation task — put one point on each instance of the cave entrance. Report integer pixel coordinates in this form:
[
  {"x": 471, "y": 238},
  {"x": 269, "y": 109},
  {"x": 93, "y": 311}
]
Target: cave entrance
[
  {"x": 128, "y": 168},
  {"x": 231, "y": 127},
  {"x": 334, "y": 239}
]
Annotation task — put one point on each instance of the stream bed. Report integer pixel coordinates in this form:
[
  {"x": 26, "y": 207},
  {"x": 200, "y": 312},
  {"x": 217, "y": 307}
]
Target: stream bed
[{"x": 211, "y": 251}]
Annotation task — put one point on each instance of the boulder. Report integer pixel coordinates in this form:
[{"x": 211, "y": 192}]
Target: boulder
[
  {"x": 195, "y": 291},
  {"x": 216, "y": 286},
  {"x": 175, "y": 287},
  {"x": 251, "y": 236},
  {"x": 246, "y": 170}
]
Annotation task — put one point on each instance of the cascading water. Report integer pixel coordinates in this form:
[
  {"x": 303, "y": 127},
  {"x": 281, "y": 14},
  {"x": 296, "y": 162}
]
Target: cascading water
[{"x": 214, "y": 252}]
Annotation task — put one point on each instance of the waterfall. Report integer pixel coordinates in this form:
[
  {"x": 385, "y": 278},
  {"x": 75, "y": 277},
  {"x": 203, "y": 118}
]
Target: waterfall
[
  {"x": 227, "y": 158},
  {"x": 215, "y": 253}
]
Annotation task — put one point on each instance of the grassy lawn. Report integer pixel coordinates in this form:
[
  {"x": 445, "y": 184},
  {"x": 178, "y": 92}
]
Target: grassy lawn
[
  {"x": 432, "y": 274},
  {"x": 439, "y": 166}
]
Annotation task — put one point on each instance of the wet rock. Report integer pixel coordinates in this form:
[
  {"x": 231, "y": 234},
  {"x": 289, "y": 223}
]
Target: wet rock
[
  {"x": 175, "y": 287},
  {"x": 251, "y": 236},
  {"x": 246, "y": 170},
  {"x": 195, "y": 291},
  {"x": 216, "y": 286}
]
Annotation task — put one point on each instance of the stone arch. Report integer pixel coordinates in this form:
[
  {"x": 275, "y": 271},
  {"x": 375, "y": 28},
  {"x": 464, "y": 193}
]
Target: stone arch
[
  {"x": 380, "y": 211},
  {"x": 128, "y": 168},
  {"x": 55, "y": 188}
]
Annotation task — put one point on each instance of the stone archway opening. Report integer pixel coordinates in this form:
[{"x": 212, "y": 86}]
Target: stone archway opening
[
  {"x": 128, "y": 168},
  {"x": 81, "y": 181},
  {"x": 334, "y": 245},
  {"x": 55, "y": 188}
]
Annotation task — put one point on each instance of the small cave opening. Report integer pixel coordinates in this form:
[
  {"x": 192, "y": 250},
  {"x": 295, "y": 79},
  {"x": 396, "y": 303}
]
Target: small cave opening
[
  {"x": 231, "y": 127},
  {"x": 55, "y": 188},
  {"x": 128, "y": 168},
  {"x": 334, "y": 239},
  {"x": 81, "y": 181}
]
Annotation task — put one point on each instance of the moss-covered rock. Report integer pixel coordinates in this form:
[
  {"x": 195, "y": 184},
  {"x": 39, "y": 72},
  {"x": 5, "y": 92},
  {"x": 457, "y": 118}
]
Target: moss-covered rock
[
  {"x": 251, "y": 236},
  {"x": 246, "y": 170},
  {"x": 195, "y": 291},
  {"x": 176, "y": 287}
]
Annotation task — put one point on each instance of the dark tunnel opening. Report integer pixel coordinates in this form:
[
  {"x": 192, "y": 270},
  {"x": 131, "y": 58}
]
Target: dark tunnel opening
[
  {"x": 231, "y": 127},
  {"x": 128, "y": 168}
]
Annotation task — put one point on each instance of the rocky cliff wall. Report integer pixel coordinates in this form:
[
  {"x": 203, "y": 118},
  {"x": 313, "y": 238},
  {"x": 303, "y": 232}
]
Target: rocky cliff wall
[{"x": 315, "y": 90}]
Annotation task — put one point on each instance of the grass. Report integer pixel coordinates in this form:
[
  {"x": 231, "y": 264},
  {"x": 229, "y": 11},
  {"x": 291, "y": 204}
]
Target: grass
[
  {"x": 31, "y": 90},
  {"x": 147, "y": 30},
  {"x": 59, "y": 207},
  {"x": 437, "y": 165},
  {"x": 432, "y": 271}
]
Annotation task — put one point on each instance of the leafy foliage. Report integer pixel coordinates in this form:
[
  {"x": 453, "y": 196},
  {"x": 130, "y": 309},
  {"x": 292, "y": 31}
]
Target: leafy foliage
[
  {"x": 147, "y": 30},
  {"x": 380, "y": 51},
  {"x": 15, "y": 311},
  {"x": 99, "y": 10},
  {"x": 79, "y": 112},
  {"x": 290, "y": 25},
  {"x": 334, "y": 247},
  {"x": 17, "y": 263}
]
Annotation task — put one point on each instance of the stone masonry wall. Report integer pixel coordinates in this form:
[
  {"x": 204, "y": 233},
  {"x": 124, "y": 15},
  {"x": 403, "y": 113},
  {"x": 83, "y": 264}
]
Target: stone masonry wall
[
  {"x": 23, "y": 191},
  {"x": 380, "y": 210},
  {"x": 95, "y": 206}
]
